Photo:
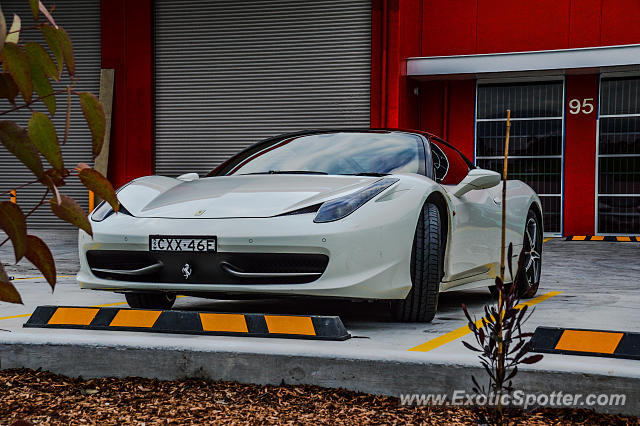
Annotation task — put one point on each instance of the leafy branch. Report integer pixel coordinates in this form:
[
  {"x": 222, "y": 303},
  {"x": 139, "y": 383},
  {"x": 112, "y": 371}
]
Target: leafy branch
[{"x": 34, "y": 67}]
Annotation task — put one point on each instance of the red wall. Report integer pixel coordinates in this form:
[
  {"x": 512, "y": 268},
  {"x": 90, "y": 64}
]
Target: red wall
[
  {"x": 459, "y": 27},
  {"x": 127, "y": 47}
]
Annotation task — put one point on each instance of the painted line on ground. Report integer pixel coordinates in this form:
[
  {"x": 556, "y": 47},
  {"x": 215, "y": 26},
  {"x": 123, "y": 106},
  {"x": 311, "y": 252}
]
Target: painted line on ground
[
  {"x": 463, "y": 331},
  {"x": 37, "y": 278},
  {"x": 547, "y": 239}
]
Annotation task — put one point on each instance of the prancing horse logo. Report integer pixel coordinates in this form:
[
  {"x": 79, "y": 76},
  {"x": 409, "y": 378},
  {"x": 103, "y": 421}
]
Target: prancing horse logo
[{"x": 186, "y": 271}]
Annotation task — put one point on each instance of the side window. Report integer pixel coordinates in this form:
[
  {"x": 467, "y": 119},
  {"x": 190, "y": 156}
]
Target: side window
[{"x": 449, "y": 168}]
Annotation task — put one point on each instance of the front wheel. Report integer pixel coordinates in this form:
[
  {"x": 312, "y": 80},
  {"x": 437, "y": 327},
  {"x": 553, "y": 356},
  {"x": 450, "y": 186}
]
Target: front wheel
[
  {"x": 421, "y": 303},
  {"x": 150, "y": 300}
]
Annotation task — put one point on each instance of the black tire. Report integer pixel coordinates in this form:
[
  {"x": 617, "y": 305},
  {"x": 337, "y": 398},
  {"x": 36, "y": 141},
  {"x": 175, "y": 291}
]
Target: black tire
[
  {"x": 421, "y": 303},
  {"x": 150, "y": 300},
  {"x": 528, "y": 277}
]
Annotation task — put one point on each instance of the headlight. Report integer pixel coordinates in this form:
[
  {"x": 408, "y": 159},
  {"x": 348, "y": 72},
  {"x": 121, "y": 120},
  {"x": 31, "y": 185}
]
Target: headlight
[{"x": 344, "y": 206}]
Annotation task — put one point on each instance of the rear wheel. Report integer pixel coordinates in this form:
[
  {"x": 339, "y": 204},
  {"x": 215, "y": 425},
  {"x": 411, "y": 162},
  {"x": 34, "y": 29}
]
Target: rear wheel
[
  {"x": 421, "y": 303},
  {"x": 528, "y": 277},
  {"x": 150, "y": 300}
]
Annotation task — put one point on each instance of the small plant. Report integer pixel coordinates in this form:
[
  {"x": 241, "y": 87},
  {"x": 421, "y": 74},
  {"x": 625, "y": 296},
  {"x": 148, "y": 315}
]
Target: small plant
[
  {"x": 501, "y": 343},
  {"x": 28, "y": 67}
]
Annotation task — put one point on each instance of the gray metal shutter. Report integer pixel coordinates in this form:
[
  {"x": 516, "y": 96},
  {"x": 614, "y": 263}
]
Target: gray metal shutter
[
  {"x": 229, "y": 73},
  {"x": 81, "y": 19}
]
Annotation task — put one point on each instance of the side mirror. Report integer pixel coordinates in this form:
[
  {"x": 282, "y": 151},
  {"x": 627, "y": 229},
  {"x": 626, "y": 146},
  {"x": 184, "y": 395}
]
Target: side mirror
[
  {"x": 477, "y": 179},
  {"x": 188, "y": 177}
]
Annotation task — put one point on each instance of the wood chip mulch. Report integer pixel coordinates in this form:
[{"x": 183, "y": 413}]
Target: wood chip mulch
[{"x": 45, "y": 398}]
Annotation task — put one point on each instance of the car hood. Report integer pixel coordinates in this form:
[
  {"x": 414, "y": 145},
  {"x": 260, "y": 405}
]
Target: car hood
[{"x": 234, "y": 196}]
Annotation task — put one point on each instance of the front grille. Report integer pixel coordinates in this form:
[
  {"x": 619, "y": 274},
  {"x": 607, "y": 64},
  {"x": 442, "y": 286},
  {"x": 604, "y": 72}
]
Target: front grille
[{"x": 207, "y": 268}]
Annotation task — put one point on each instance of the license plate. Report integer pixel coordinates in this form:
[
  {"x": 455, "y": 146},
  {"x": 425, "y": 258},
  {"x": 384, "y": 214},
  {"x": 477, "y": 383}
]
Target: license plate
[{"x": 178, "y": 243}]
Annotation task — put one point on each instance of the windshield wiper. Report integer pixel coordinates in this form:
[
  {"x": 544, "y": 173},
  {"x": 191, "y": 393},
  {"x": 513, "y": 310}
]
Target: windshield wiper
[
  {"x": 287, "y": 172},
  {"x": 375, "y": 174}
]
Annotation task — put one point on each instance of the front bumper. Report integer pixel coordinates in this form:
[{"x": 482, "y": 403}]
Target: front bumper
[{"x": 369, "y": 252}]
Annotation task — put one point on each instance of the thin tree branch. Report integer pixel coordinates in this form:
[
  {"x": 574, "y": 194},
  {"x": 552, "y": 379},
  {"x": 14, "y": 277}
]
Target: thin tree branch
[
  {"x": 33, "y": 101},
  {"x": 20, "y": 187},
  {"x": 38, "y": 205}
]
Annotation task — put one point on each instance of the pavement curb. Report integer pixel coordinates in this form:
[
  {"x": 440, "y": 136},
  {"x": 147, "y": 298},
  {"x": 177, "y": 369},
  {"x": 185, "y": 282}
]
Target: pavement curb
[{"x": 373, "y": 375}]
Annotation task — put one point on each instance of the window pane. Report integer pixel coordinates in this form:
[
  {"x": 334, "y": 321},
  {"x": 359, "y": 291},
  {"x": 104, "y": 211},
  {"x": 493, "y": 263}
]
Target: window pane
[
  {"x": 524, "y": 100},
  {"x": 619, "y": 175},
  {"x": 620, "y": 96},
  {"x": 619, "y": 215},
  {"x": 535, "y": 137},
  {"x": 544, "y": 175},
  {"x": 619, "y": 135},
  {"x": 551, "y": 213}
]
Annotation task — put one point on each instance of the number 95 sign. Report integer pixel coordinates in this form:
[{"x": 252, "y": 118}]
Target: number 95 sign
[{"x": 585, "y": 106}]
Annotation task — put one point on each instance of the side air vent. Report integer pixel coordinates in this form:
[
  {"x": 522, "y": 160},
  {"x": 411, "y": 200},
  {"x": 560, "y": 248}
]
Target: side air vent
[{"x": 311, "y": 209}]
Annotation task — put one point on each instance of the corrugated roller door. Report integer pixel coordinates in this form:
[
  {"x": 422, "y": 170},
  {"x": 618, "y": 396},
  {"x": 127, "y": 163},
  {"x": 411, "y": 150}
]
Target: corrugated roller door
[
  {"x": 229, "y": 73},
  {"x": 81, "y": 19}
]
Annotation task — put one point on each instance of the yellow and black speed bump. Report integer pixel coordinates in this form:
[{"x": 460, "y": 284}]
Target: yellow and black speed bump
[
  {"x": 190, "y": 322},
  {"x": 571, "y": 341},
  {"x": 623, "y": 239}
]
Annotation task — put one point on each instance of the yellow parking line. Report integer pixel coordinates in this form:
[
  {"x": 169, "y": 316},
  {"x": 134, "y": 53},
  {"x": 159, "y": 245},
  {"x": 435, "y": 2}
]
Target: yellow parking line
[
  {"x": 15, "y": 316},
  {"x": 37, "y": 278},
  {"x": 547, "y": 239},
  {"x": 463, "y": 331}
]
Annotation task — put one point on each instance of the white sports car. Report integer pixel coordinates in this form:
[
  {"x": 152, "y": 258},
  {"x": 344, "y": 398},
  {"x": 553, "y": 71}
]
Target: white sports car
[{"x": 357, "y": 214}]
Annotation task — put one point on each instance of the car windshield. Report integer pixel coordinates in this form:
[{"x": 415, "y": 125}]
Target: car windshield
[{"x": 348, "y": 153}]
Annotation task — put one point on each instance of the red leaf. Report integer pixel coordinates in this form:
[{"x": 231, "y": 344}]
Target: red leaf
[
  {"x": 8, "y": 292},
  {"x": 12, "y": 222},
  {"x": 17, "y": 141},
  {"x": 40, "y": 256},
  {"x": 94, "y": 181},
  {"x": 70, "y": 211},
  {"x": 17, "y": 63}
]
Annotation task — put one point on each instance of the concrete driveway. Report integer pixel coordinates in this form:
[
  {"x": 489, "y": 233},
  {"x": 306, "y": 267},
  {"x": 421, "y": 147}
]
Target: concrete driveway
[{"x": 591, "y": 285}]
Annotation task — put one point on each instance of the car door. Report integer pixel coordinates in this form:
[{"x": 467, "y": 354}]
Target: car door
[{"x": 474, "y": 247}]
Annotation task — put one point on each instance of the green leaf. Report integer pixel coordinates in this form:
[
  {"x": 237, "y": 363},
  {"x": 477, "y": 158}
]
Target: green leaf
[
  {"x": 70, "y": 211},
  {"x": 67, "y": 50},
  {"x": 8, "y": 88},
  {"x": 17, "y": 63},
  {"x": 43, "y": 135},
  {"x": 34, "y": 8},
  {"x": 94, "y": 115},
  {"x": 39, "y": 55},
  {"x": 50, "y": 35},
  {"x": 3, "y": 29},
  {"x": 17, "y": 141},
  {"x": 42, "y": 86},
  {"x": 94, "y": 181},
  {"x": 14, "y": 32},
  {"x": 12, "y": 222},
  {"x": 8, "y": 292},
  {"x": 40, "y": 256}
]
